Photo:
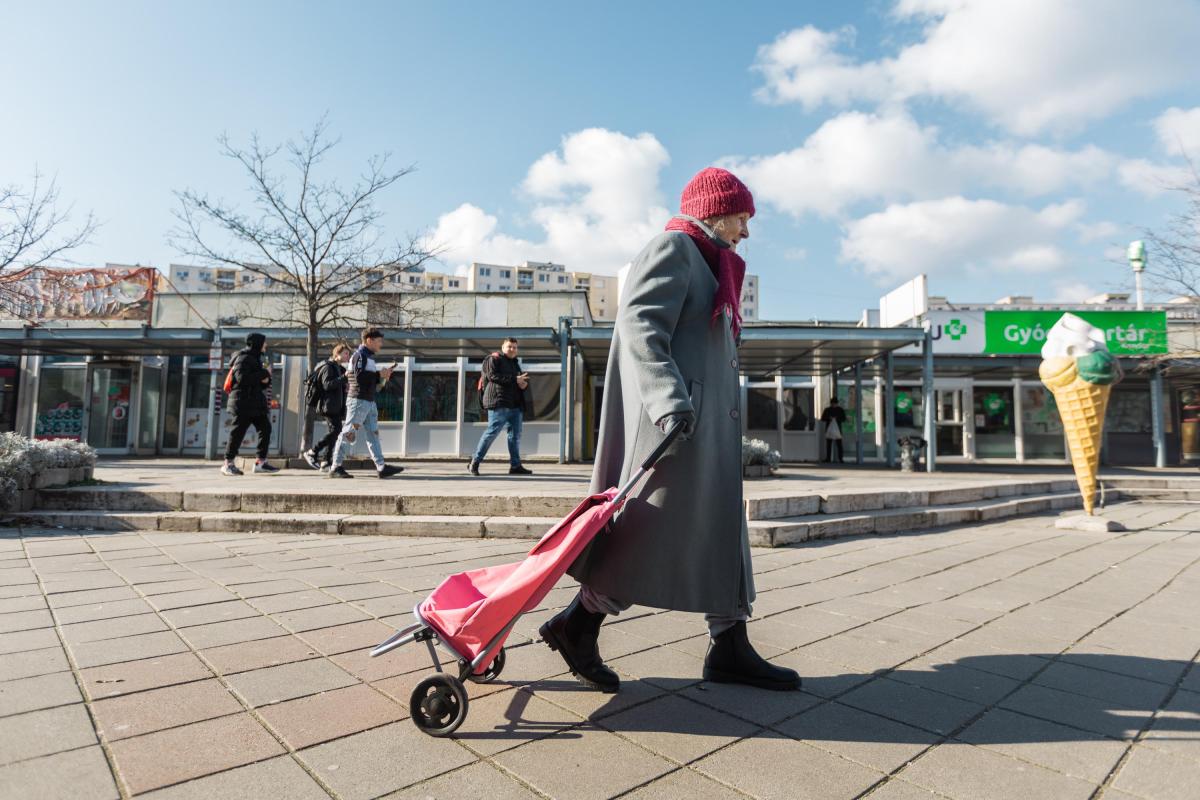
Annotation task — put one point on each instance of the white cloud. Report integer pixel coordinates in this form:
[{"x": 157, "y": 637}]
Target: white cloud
[
  {"x": 957, "y": 234},
  {"x": 1072, "y": 292},
  {"x": 1178, "y": 132},
  {"x": 1092, "y": 232},
  {"x": 1151, "y": 179},
  {"x": 857, "y": 157},
  {"x": 596, "y": 200},
  {"x": 1026, "y": 65}
]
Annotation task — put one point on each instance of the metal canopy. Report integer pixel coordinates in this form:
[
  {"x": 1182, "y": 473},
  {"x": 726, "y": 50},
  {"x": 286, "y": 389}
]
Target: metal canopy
[
  {"x": 430, "y": 344},
  {"x": 769, "y": 350},
  {"x": 138, "y": 341}
]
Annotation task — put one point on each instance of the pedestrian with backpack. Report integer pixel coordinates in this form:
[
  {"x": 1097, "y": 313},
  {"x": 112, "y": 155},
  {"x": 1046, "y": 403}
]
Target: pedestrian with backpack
[
  {"x": 325, "y": 392},
  {"x": 247, "y": 384},
  {"x": 505, "y": 389},
  {"x": 363, "y": 379}
]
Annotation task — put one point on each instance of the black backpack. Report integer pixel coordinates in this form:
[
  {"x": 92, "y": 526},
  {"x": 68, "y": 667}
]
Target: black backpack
[{"x": 314, "y": 389}]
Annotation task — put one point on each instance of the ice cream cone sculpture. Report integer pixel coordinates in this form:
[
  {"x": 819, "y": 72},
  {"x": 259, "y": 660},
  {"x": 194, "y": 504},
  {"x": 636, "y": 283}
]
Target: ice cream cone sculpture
[{"x": 1078, "y": 369}]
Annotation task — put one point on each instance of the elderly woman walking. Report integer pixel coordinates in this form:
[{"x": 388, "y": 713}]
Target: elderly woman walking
[{"x": 681, "y": 541}]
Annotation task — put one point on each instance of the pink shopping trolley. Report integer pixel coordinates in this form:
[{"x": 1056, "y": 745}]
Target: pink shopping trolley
[{"x": 470, "y": 614}]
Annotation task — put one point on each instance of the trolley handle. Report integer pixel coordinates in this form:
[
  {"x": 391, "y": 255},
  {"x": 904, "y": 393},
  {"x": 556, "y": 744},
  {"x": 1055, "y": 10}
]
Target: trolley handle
[{"x": 651, "y": 459}]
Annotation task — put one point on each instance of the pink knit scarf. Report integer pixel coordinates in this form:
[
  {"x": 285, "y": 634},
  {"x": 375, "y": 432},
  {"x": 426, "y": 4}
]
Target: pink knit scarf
[{"x": 727, "y": 267}]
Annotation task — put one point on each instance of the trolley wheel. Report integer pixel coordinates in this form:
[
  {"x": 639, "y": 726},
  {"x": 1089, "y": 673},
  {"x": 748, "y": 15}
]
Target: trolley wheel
[
  {"x": 492, "y": 672},
  {"x": 438, "y": 705}
]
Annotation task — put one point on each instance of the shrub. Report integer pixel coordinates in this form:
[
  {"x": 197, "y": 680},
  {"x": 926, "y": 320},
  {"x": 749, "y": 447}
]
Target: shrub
[
  {"x": 756, "y": 452},
  {"x": 22, "y": 458}
]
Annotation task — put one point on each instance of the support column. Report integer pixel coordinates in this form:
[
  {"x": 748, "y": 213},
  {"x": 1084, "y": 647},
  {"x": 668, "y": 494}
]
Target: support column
[
  {"x": 570, "y": 402},
  {"x": 889, "y": 410},
  {"x": 406, "y": 405},
  {"x": 1018, "y": 421},
  {"x": 929, "y": 401},
  {"x": 858, "y": 414},
  {"x": 1156, "y": 414},
  {"x": 564, "y": 335},
  {"x": 216, "y": 377}
]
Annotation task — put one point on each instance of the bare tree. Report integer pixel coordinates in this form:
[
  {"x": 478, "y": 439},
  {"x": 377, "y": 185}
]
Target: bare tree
[
  {"x": 321, "y": 244},
  {"x": 34, "y": 231},
  {"x": 1174, "y": 251}
]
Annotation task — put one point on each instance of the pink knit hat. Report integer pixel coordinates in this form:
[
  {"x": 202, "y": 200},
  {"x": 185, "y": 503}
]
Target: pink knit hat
[{"x": 714, "y": 192}]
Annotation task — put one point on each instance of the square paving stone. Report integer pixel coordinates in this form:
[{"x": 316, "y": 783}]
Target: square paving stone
[
  {"x": 1068, "y": 750},
  {"x": 973, "y": 773},
  {"x": 261, "y": 687},
  {"x": 330, "y": 715},
  {"x": 42, "y": 733},
  {"x": 92, "y": 597},
  {"x": 245, "y": 656},
  {"x": 43, "y": 691},
  {"x": 33, "y": 662},
  {"x": 479, "y": 781},
  {"x": 34, "y": 602},
  {"x": 684, "y": 784},
  {"x": 362, "y": 635},
  {"x": 503, "y": 719},
  {"x": 96, "y": 611},
  {"x": 190, "y": 616},
  {"x": 99, "y": 630},
  {"x": 308, "y": 619},
  {"x": 912, "y": 705},
  {"x": 128, "y": 648},
  {"x": 748, "y": 703},
  {"x": 662, "y": 666},
  {"x": 984, "y": 688},
  {"x": 772, "y": 766},
  {"x": 583, "y": 763},
  {"x": 1163, "y": 776},
  {"x": 64, "y": 776},
  {"x": 865, "y": 738},
  {"x": 179, "y": 754},
  {"x": 362, "y": 664},
  {"x": 157, "y": 709},
  {"x": 231, "y": 632},
  {"x": 1122, "y": 689},
  {"x": 137, "y": 676},
  {"x": 1077, "y": 711},
  {"x": 568, "y": 693},
  {"x": 28, "y": 640},
  {"x": 375, "y": 762},
  {"x": 678, "y": 729},
  {"x": 293, "y": 601},
  {"x": 206, "y": 594},
  {"x": 278, "y": 777}
]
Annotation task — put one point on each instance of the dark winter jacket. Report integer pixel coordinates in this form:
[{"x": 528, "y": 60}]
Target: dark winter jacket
[
  {"x": 332, "y": 376},
  {"x": 362, "y": 375},
  {"x": 500, "y": 389},
  {"x": 248, "y": 398},
  {"x": 835, "y": 414}
]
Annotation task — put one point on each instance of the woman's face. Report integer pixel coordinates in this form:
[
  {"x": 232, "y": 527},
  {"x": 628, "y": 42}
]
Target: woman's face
[{"x": 733, "y": 228}]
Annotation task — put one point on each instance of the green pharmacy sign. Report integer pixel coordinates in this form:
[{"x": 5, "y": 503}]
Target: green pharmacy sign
[{"x": 1129, "y": 333}]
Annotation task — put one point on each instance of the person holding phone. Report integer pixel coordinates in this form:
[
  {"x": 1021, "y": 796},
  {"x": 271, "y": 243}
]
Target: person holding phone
[
  {"x": 363, "y": 377},
  {"x": 505, "y": 389}
]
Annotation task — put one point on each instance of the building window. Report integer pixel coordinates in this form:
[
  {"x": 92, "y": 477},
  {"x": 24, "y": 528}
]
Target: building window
[
  {"x": 541, "y": 278},
  {"x": 434, "y": 396},
  {"x": 390, "y": 398},
  {"x": 225, "y": 280},
  {"x": 544, "y": 387},
  {"x": 454, "y": 284},
  {"x": 485, "y": 271},
  {"x": 798, "y": 409},
  {"x": 506, "y": 273},
  {"x": 59, "y": 413},
  {"x": 762, "y": 409},
  {"x": 562, "y": 279},
  {"x": 182, "y": 275}
]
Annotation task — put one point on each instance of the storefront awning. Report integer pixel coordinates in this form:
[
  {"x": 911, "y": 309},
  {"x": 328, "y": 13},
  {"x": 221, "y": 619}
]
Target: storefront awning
[
  {"x": 139, "y": 341},
  {"x": 768, "y": 350},
  {"x": 429, "y": 344}
]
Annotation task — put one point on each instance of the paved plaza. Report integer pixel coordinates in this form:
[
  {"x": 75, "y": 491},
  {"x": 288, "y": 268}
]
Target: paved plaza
[{"x": 1007, "y": 660}]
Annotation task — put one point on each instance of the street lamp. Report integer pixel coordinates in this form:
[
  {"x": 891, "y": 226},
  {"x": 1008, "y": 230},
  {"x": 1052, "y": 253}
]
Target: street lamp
[{"x": 1137, "y": 259}]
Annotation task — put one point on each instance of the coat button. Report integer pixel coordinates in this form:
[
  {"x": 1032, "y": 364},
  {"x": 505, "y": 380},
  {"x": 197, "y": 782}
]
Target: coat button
[
  {"x": 733, "y": 413},
  {"x": 733, "y": 363}
]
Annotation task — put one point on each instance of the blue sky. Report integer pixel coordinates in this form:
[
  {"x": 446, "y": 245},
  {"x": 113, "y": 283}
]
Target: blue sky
[{"x": 1003, "y": 147}]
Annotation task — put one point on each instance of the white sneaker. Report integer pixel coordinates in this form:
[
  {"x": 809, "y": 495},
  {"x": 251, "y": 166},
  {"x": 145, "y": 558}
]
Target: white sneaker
[
  {"x": 310, "y": 458},
  {"x": 265, "y": 467},
  {"x": 229, "y": 469}
]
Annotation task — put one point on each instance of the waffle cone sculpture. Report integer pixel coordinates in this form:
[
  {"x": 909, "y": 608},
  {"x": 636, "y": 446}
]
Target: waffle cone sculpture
[{"x": 1081, "y": 385}]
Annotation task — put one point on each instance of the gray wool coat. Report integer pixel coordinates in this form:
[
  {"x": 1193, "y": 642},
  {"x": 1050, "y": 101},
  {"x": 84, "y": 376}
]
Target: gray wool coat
[{"x": 681, "y": 541}]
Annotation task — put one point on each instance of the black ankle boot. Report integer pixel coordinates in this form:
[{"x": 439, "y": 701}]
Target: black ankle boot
[
  {"x": 573, "y": 633},
  {"x": 732, "y": 659}
]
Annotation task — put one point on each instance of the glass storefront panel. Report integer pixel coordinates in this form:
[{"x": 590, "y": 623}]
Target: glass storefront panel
[
  {"x": 995, "y": 425},
  {"x": 762, "y": 409},
  {"x": 1189, "y": 423},
  {"x": 545, "y": 387},
  {"x": 798, "y": 411},
  {"x": 1041, "y": 426},
  {"x": 473, "y": 397},
  {"x": 434, "y": 396},
  {"x": 173, "y": 400},
  {"x": 390, "y": 398},
  {"x": 1129, "y": 411},
  {"x": 108, "y": 416},
  {"x": 150, "y": 407},
  {"x": 849, "y": 402},
  {"x": 195, "y": 406},
  {"x": 8, "y": 395},
  {"x": 59, "y": 413}
]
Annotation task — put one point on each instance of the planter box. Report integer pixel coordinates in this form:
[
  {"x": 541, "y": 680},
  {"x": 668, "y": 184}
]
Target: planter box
[{"x": 757, "y": 471}]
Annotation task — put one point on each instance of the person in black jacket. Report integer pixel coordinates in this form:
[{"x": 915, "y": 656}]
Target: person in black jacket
[
  {"x": 505, "y": 388},
  {"x": 834, "y": 416},
  {"x": 248, "y": 404},
  {"x": 331, "y": 374}
]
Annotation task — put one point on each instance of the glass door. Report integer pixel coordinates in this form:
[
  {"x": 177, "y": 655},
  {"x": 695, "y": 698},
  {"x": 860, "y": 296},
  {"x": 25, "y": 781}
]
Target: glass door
[
  {"x": 951, "y": 422},
  {"x": 150, "y": 405},
  {"x": 995, "y": 422},
  {"x": 111, "y": 388}
]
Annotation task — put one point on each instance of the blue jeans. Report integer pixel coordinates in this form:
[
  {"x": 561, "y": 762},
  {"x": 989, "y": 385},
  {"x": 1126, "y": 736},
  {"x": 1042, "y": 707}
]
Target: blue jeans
[
  {"x": 361, "y": 415},
  {"x": 497, "y": 419}
]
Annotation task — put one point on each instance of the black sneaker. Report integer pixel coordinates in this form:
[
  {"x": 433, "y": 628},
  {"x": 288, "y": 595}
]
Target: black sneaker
[
  {"x": 339, "y": 472},
  {"x": 519, "y": 470},
  {"x": 311, "y": 459},
  {"x": 473, "y": 467},
  {"x": 388, "y": 471},
  {"x": 230, "y": 469},
  {"x": 264, "y": 467}
]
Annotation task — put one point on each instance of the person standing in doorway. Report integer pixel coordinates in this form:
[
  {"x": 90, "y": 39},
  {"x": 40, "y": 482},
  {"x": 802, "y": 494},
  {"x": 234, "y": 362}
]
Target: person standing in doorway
[
  {"x": 330, "y": 378},
  {"x": 834, "y": 416},
  {"x": 504, "y": 393},
  {"x": 363, "y": 377},
  {"x": 249, "y": 381}
]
